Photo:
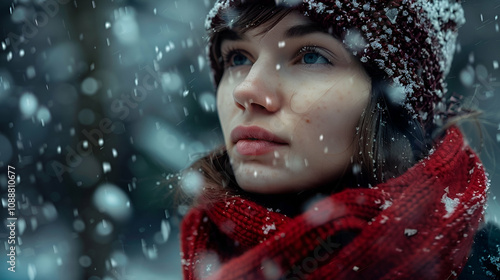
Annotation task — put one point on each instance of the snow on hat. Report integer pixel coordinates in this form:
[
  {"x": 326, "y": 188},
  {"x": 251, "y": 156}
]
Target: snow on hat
[{"x": 411, "y": 41}]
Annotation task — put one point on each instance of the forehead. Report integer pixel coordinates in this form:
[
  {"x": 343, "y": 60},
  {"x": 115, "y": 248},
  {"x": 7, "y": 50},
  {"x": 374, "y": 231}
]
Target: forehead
[
  {"x": 291, "y": 25},
  {"x": 292, "y": 19}
]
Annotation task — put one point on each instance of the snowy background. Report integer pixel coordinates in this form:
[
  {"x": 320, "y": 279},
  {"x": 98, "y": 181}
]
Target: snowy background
[{"x": 100, "y": 101}]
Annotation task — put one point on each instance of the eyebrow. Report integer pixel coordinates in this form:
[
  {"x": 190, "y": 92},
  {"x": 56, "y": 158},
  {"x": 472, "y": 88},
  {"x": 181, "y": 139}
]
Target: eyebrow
[{"x": 304, "y": 29}]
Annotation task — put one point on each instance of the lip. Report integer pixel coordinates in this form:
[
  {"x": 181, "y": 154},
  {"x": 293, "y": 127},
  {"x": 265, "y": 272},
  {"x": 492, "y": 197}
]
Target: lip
[{"x": 254, "y": 140}]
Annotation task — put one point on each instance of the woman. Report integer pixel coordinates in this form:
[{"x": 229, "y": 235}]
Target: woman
[{"x": 340, "y": 157}]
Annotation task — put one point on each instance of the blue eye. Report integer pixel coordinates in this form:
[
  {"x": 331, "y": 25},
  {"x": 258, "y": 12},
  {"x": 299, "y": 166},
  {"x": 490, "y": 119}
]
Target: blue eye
[
  {"x": 233, "y": 58},
  {"x": 314, "y": 55},
  {"x": 314, "y": 58},
  {"x": 239, "y": 59}
]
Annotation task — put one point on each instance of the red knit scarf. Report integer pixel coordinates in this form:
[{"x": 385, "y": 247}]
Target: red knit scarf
[{"x": 417, "y": 226}]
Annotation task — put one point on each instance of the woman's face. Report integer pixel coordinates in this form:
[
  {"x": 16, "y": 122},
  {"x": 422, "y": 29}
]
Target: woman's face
[{"x": 289, "y": 102}]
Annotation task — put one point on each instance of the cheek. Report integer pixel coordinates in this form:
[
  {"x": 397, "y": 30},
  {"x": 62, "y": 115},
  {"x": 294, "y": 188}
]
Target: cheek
[
  {"x": 336, "y": 118},
  {"x": 301, "y": 103},
  {"x": 307, "y": 94},
  {"x": 339, "y": 94},
  {"x": 223, "y": 104}
]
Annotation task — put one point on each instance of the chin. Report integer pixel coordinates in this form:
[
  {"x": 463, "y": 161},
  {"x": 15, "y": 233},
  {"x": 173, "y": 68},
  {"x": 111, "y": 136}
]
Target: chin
[{"x": 266, "y": 185}]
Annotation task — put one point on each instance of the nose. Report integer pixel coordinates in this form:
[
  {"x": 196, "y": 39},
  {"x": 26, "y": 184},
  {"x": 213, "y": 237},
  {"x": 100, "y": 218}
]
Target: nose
[{"x": 260, "y": 89}]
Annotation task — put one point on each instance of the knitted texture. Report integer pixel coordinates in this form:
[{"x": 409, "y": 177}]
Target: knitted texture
[
  {"x": 418, "y": 226},
  {"x": 411, "y": 41}
]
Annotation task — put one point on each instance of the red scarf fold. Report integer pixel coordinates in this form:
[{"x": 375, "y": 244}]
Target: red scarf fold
[{"x": 417, "y": 226}]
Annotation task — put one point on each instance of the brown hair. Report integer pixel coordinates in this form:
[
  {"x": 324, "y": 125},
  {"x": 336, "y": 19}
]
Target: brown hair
[{"x": 389, "y": 139}]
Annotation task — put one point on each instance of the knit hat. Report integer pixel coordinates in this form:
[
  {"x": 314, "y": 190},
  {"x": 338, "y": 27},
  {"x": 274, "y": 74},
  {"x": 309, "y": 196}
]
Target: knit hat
[{"x": 411, "y": 41}]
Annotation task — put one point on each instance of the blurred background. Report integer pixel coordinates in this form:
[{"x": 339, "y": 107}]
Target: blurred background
[{"x": 102, "y": 102}]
